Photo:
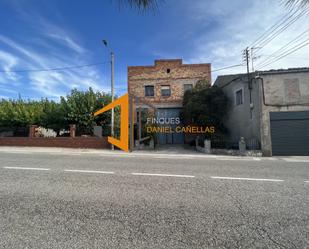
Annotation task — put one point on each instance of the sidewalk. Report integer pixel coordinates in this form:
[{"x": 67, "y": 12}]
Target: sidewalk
[
  {"x": 160, "y": 153},
  {"x": 172, "y": 152}
]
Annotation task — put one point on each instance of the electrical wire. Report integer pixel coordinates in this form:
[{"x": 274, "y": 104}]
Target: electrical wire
[
  {"x": 282, "y": 29},
  {"x": 220, "y": 69},
  {"x": 87, "y": 65},
  {"x": 272, "y": 28},
  {"x": 284, "y": 48},
  {"x": 285, "y": 54},
  {"x": 53, "y": 69}
]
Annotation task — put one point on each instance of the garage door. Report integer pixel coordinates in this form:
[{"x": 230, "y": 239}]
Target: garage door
[
  {"x": 170, "y": 138},
  {"x": 290, "y": 133}
]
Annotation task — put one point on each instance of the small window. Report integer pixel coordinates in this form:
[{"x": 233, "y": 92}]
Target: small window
[
  {"x": 239, "y": 97},
  {"x": 149, "y": 91},
  {"x": 168, "y": 70},
  {"x": 187, "y": 87},
  {"x": 165, "y": 91}
]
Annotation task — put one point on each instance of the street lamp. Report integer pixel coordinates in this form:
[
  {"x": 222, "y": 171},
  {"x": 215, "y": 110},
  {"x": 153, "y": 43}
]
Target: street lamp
[{"x": 112, "y": 84}]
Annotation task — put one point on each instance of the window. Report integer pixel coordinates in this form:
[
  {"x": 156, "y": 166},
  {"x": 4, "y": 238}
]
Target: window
[
  {"x": 239, "y": 97},
  {"x": 187, "y": 87},
  {"x": 165, "y": 91},
  {"x": 149, "y": 91},
  {"x": 168, "y": 70}
]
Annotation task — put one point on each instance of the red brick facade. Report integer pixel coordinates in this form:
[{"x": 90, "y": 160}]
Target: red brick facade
[
  {"x": 65, "y": 142},
  {"x": 172, "y": 73}
]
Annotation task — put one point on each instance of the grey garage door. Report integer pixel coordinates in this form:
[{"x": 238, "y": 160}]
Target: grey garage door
[
  {"x": 290, "y": 133},
  {"x": 169, "y": 138}
]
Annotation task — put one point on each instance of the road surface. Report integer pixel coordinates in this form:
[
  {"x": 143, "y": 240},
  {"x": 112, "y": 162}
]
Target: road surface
[{"x": 80, "y": 200}]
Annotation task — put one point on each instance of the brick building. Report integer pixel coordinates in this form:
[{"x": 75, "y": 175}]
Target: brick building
[{"x": 163, "y": 85}]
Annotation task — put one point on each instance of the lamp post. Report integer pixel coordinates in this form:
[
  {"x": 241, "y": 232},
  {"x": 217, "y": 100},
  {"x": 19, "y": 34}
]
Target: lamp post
[{"x": 112, "y": 84}]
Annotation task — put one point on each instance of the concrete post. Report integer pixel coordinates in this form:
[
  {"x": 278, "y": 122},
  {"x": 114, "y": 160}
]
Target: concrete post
[
  {"x": 151, "y": 144},
  {"x": 32, "y": 130},
  {"x": 97, "y": 131},
  {"x": 72, "y": 130},
  {"x": 207, "y": 146},
  {"x": 242, "y": 146}
]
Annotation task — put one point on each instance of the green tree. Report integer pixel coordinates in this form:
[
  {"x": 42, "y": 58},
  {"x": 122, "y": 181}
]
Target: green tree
[
  {"x": 205, "y": 106},
  {"x": 53, "y": 115},
  {"x": 76, "y": 108},
  {"x": 80, "y": 107},
  {"x": 19, "y": 113}
]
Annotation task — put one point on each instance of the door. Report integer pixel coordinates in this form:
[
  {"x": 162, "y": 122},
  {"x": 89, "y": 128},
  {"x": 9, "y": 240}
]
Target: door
[
  {"x": 169, "y": 138},
  {"x": 290, "y": 133}
]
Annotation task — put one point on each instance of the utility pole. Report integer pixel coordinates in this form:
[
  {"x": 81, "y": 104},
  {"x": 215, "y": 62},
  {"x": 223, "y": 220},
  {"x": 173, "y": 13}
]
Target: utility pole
[
  {"x": 247, "y": 58},
  {"x": 112, "y": 85},
  {"x": 252, "y": 67},
  {"x": 112, "y": 91},
  {"x": 253, "y": 57}
]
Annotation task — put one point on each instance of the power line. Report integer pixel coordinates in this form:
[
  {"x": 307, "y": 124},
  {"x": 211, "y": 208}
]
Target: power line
[
  {"x": 87, "y": 65},
  {"x": 272, "y": 28},
  {"x": 290, "y": 51},
  {"x": 220, "y": 69},
  {"x": 278, "y": 28},
  {"x": 282, "y": 29},
  {"x": 53, "y": 69},
  {"x": 285, "y": 47}
]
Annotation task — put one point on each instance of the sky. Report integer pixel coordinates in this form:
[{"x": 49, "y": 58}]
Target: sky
[{"x": 49, "y": 34}]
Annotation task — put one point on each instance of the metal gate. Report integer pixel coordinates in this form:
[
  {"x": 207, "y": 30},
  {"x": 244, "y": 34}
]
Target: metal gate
[{"x": 290, "y": 133}]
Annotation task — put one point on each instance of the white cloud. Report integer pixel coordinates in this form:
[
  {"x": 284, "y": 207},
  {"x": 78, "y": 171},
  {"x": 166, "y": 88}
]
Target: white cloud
[
  {"x": 53, "y": 45},
  {"x": 53, "y": 83},
  {"x": 7, "y": 63},
  {"x": 67, "y": 41},
  {"x": 33, "y": 58},
  {"x": 238, "y": 24}
]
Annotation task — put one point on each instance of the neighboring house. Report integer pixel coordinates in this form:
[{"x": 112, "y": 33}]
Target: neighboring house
[
  {"x": 162, "y": 86},
  {"x": 272, "y": 112}
]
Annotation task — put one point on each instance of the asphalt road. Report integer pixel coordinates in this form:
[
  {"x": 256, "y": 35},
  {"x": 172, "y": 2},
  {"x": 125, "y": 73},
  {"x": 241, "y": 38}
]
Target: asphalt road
[{"x": 53, "y": 200}]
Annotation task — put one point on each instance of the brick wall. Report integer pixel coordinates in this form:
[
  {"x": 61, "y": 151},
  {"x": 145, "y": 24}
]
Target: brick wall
[
  {"x": 65, "y": 142},
  {"x": 166, "y": 72}
]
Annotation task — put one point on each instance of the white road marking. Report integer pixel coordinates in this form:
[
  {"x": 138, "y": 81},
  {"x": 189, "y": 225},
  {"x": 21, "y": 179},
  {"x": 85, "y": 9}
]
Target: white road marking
[
  {"x": 307, "y": 181},
  {"x": 24, "y": 168},
  {"x": 246, "y": 179},
  {"x": 295, "y": 160},
  {"x": 169, "y": 175},
  {"x": 238, "y": 159},
  {"x": 89, "y": 171}
]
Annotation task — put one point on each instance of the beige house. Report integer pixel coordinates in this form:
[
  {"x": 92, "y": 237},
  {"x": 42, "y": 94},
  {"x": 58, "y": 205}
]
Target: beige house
[{"x": 271, "y": 111}]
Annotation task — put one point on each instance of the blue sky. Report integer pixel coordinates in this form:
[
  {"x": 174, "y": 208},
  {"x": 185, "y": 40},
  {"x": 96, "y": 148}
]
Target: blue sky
[{"x": 42, "y": 34}]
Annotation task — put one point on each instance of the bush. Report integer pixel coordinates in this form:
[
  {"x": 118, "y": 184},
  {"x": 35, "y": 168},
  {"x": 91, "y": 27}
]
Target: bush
[{"x": 76, "y": 108}]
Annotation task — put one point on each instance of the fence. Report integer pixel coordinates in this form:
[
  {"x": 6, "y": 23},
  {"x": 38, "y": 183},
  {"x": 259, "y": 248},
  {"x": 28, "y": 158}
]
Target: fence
[
  {"x": 14, "y": 131},
  {"x": 34, "y": 136}
]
